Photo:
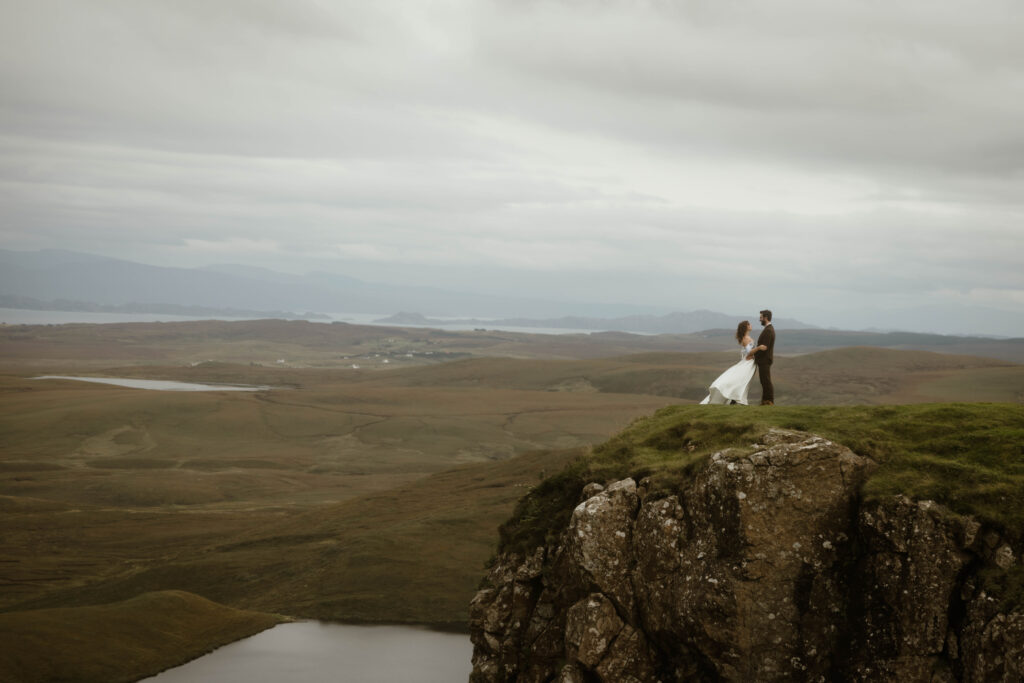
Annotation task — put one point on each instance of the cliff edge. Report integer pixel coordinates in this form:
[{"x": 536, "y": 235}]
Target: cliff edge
[{"x": 765, "y": 565}]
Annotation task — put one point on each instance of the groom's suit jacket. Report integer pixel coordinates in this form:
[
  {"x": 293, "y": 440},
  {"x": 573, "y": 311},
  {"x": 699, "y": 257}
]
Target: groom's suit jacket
[{"x": 767, "y": 337}]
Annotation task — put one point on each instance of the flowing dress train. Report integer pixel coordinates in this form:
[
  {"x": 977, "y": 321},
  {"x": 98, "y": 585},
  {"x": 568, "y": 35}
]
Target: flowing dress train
[{"x": 732, "y": 384}]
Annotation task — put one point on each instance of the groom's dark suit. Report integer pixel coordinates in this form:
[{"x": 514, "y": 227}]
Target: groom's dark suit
[{"x": 764, "y": 359}]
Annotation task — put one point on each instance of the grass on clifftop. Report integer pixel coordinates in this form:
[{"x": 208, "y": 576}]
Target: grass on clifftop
[{"x": 969, "y": 457}]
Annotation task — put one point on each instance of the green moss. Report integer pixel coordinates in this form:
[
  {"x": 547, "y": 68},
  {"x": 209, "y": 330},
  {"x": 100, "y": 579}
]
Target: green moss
[
  {"x": 969, "y": 457},
  {"x": 541, "y": 514}
]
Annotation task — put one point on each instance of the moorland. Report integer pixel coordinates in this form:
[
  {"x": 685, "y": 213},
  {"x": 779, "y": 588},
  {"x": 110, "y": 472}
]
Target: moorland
[{"x": 367, "y": 485}]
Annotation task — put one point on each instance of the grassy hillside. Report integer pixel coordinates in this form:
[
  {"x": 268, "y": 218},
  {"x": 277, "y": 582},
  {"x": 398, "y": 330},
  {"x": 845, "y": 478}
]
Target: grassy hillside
[
  {"x": 969, "y": 457},
  {"x": 299, "y": 343},
  {"x": 849, "y": 376},
  {"x": 806, "y": 341},
  {"x": 374, "y": 494},
  {"x": 101, "y": 484},
  {"x": 410, "y": 554},
  {"x": 123, "y": 641},
  {"x": 303, "y": 344}
]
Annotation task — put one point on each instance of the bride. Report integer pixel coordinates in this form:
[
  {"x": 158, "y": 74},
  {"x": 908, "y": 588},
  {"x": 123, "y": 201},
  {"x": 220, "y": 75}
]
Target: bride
[{"x": 731, "y": 385}]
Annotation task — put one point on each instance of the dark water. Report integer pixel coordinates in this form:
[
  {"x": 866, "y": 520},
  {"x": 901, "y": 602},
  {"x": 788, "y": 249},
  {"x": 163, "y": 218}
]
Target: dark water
[{"x": 316, "y": 652}]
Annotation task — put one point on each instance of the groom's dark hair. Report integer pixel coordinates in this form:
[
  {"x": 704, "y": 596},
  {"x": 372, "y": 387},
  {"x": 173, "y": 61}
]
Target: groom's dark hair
[{"x": 766, "y": 313}]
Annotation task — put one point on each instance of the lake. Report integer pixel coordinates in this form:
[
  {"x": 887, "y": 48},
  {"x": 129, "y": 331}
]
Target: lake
[
  {"x": 319, "y": 652},
  {"x": 158, "y": 384}
]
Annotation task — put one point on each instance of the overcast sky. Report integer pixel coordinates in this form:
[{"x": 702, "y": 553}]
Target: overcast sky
[{"x": 838, "y": 161}]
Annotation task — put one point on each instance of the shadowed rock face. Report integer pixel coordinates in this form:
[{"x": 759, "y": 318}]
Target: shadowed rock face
[{"x": 765, "y": 568}]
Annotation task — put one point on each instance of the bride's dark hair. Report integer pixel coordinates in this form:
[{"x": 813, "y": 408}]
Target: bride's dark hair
[{"x": 741, "y": 331}]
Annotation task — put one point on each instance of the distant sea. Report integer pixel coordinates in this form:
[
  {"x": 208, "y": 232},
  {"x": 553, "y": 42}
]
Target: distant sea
[{"x": 18, "y": 316}]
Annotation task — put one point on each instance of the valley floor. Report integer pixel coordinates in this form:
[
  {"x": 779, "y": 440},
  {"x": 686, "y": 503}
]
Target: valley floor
[{"x": 370, "y": 494}]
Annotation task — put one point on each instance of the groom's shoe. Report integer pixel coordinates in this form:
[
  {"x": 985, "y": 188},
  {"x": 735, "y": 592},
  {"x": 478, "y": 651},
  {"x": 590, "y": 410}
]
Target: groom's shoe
[{"x": 767, "y": 403}]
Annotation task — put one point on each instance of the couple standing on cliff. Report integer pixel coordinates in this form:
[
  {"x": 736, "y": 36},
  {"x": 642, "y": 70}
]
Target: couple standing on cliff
[{"x": 731, "y": 386}]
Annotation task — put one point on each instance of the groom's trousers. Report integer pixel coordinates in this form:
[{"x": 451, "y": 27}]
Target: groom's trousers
[{"x": 764, "y": 373}]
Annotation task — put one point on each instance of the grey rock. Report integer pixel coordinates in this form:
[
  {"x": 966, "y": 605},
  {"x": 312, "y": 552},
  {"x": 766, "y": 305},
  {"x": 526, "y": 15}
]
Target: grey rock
[
  {"x": 628, "y": 660},
  {"x": 992, "y": 642},
  {"x": 751, "y": 578},
  {"x": 591, "y": 626},
  {"x": 910, "y": 567},
  {"x": 766, "y": 566},
  {"x": 598, "y": 543},
  {"x": 590, "y": 490}
]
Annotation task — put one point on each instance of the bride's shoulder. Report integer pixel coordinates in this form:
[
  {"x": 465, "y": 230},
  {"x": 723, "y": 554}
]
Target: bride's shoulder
[{"x": 747, "y": 340}]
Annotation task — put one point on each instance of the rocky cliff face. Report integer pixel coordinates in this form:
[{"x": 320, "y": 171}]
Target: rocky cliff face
[{"x": 766, "y": 567}]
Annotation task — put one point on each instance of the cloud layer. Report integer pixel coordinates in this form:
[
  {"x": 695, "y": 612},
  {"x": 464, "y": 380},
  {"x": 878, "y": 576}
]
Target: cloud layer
[{"x": 816, "y": 157}]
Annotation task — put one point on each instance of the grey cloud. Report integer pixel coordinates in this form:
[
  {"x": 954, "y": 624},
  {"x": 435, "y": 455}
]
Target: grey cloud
[
  {"x": 637, "y": 150},
  {"x": 844, "y": 84}
]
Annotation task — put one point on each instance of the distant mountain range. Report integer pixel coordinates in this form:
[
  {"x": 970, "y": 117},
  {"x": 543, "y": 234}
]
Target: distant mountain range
[
  {"x": 28, "y": 303},
  {"x": 671, "y": 323},
  {"x": 51, "y": 275},
  {"x": 54, "y": 279}
]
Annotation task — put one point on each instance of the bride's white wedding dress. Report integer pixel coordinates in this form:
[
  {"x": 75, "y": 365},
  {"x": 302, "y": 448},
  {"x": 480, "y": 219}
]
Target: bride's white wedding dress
[{"x": 732, "y": 384}]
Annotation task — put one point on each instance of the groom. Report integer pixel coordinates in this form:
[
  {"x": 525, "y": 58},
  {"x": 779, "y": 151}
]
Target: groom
[{"x": 763, "y": 356}]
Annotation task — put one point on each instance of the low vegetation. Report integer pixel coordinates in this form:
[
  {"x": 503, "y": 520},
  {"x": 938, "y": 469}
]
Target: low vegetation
[
  {"x": 373, "y": 494},
  {"x": 121, "y": 641},
  {"x": 411, "y": 554},
  {"x": 969, "y": 457}
]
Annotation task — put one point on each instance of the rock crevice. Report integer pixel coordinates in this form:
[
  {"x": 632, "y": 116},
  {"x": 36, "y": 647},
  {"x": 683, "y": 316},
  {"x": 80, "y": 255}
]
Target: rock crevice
[{"x": 765, "y": 567}]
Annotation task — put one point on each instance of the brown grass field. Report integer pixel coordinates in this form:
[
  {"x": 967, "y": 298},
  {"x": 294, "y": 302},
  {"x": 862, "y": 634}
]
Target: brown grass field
[
  {"x": 153, "y": 632},
  {"x": 369, "y": 494}
]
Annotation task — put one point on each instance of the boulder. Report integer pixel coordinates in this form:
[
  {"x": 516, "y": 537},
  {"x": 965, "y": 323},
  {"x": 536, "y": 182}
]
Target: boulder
[
  {"x": 765, "y": 566},
  {"x": 747, "y": 567}
]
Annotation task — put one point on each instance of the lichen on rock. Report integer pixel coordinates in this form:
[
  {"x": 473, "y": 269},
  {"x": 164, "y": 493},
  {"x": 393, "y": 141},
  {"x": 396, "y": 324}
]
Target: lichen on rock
[{"x": 765, "y": 566}]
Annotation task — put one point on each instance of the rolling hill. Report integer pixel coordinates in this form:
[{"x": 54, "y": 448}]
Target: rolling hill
[{"x": 374, "y": 494}]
